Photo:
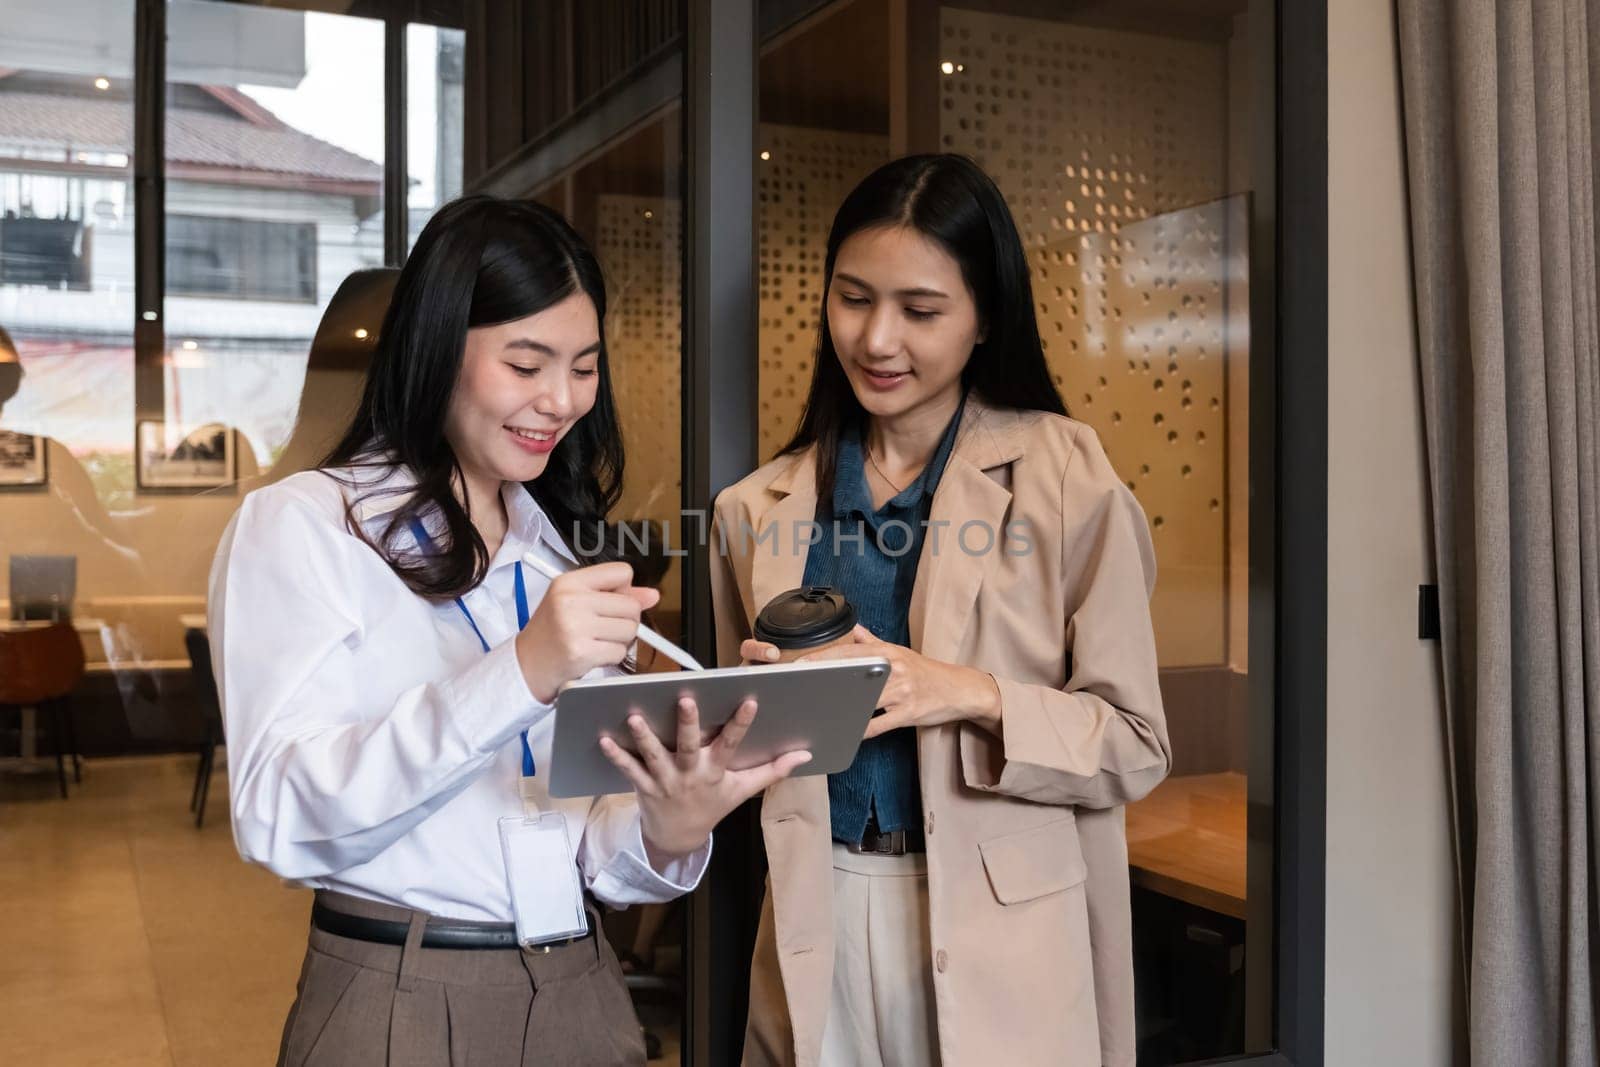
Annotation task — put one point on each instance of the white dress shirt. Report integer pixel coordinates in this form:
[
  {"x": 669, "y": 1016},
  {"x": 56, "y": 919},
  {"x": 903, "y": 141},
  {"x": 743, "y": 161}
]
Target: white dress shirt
[{"x": 372, "y": 745}]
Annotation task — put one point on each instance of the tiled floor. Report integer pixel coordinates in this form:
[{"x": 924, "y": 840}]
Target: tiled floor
[{"x": 128, "y": 936}]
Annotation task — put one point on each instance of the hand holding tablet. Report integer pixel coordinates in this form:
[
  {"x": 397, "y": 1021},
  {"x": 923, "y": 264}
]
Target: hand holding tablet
[
  {"x": 685, "y": 792},
  {"x": 821, "y": 708}
]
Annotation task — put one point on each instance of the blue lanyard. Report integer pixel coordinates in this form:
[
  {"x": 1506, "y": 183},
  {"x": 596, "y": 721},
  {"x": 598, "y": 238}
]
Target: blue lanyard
[{"x": 424, "y": 539}]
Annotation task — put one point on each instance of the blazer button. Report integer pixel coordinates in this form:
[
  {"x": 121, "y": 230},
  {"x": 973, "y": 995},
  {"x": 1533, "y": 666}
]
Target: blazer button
[{"x": 941, "y": 961}]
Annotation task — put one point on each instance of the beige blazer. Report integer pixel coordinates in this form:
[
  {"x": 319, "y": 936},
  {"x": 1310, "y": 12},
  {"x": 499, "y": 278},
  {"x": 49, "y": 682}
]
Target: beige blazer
[{"x": 1027, "y": 858}]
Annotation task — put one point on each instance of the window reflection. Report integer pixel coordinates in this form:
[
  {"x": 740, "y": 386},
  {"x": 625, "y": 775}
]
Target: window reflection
[
  {"x": 273, "y": 196},
  {"x": 273, "y": 190},
  {"x": 66, "y": 296}
]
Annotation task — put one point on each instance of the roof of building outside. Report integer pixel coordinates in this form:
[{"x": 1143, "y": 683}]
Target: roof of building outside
[{"x": 228, "y": 138}]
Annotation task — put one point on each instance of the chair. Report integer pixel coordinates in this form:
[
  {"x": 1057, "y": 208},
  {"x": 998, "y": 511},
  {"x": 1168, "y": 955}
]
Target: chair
[
  {"x": 39, "y": 668},
  {"x": 43, "y": 587},
  {"x": 205, "y": 687}
]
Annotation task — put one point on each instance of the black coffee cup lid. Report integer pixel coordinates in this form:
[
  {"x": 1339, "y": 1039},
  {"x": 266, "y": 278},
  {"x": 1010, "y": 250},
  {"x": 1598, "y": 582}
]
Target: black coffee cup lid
[{"x": 805, "y": 618}]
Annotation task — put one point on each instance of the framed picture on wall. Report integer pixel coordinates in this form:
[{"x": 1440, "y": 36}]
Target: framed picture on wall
[
  {"x": 178, "y": 457},
  {"x": 23, "y": 462}
]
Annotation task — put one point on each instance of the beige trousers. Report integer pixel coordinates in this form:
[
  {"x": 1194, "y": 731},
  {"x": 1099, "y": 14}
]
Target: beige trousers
[{"x": 881, "y": 1012}]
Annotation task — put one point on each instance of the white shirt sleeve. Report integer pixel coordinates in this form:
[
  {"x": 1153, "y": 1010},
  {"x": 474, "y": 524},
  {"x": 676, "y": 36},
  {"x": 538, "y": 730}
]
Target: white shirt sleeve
[
  {"x": 616, "y": 867},
  {"x": 325, "y": 771},
  {"x": 612, "y": 857}
]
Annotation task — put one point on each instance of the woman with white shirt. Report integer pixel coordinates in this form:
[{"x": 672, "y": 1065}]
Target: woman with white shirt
[{"x": 387, "y": 668}]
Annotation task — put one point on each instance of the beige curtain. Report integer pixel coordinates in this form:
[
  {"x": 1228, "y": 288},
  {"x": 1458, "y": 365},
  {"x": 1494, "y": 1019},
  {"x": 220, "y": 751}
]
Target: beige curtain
[{"x": 1500, "y": 111}]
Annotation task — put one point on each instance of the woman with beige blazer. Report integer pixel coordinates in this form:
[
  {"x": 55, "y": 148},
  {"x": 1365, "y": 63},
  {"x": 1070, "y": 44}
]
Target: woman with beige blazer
[{"x": 960, "y": 895}]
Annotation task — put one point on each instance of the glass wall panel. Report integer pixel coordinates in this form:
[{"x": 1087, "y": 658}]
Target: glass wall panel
[
  {"x": 273, "y": 196},
  {"x": 112, "y": 503},
  {"x": 627, "y": 202},
  {"x": 1118, "y": 133},
  {"x": 1120, "y": 139},
  {"x": 66, "y": 313},
  {"x": 825, "y": 103},
  {"x": 435, "y": 68},
  {"x": 274, "y": 149},
  {"x": 1122, "y": 145}
]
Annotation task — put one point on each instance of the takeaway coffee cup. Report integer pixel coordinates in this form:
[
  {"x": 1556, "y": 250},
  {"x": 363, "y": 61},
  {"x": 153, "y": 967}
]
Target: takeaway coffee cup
[{"x": 805, "y": 620}]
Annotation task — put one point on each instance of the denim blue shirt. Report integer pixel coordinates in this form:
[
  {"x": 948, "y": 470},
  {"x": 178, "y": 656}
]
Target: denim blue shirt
[{"x": 871, "y": 556}]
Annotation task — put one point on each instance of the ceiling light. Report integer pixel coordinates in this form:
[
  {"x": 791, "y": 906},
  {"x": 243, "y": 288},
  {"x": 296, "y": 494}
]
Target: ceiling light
[{"x": 102, "y": 84}]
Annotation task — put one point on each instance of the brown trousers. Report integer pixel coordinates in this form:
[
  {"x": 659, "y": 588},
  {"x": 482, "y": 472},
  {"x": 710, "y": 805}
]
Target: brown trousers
[{"x": 361, "y": 1003}]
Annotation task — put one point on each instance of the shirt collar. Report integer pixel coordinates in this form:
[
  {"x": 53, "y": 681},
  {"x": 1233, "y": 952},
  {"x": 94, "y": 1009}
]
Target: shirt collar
[
  {"x": 529, "y": 523},
  {"x": 380, "y": 489},
  {"x": 850, "y": 492}
]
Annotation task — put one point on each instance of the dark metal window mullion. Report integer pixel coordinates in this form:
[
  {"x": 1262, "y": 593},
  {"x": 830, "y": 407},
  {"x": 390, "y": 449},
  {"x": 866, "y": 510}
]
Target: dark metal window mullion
[
  {"x": 719, "y": 447},
  {"x": 149, "y": 208},
  {"x": 396, "y": 215}
]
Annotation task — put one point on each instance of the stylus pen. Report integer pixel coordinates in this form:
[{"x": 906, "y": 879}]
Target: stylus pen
[{"x": 647, "y": 635}]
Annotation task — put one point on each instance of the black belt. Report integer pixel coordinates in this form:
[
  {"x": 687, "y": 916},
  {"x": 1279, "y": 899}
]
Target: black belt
[
  {"x": 893, "y": 843},
  {"x": 438, "y": 933}
]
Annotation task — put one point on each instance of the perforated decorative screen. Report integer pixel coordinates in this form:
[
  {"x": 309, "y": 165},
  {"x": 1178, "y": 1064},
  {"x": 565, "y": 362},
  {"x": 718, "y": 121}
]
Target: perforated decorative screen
[
  {"x": 1111, "y": 150},
  {"x": 803, "y": 177},
  {"x": 639, "y": 244}
]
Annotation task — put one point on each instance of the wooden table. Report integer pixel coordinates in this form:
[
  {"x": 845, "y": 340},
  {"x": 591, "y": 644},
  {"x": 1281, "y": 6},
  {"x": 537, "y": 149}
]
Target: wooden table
[
  {"x": 1187, "y": 840},
  {"x": 80, "y": 624},
  {"x": 197, "y": 621}
]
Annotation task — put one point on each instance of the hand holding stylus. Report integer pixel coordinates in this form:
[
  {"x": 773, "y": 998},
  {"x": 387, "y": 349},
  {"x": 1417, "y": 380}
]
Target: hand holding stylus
[
  {"x": 645, "y": 634},
  {"x": 587, "y": 619}
]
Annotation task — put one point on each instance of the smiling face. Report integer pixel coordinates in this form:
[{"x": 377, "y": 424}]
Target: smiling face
[
  {"x": 903, "y": 322},
  {"x": 523, "y": 385}
]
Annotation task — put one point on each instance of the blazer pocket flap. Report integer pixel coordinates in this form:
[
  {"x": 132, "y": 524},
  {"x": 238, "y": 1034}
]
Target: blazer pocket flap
[{"x": 1034, "y": 863}]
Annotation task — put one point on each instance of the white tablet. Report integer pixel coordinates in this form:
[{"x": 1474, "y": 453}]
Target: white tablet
[{"x": 820, "y": 707}]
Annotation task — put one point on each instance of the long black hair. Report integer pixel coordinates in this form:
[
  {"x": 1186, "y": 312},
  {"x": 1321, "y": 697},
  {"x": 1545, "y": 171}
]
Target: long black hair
[
  {"x": 480, "y": 261},
  {"x": 950, "y": 200}
]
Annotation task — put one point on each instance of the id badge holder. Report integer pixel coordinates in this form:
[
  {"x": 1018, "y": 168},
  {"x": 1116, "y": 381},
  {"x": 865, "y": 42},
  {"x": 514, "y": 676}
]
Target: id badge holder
[{"x": 542, "y": 875}]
